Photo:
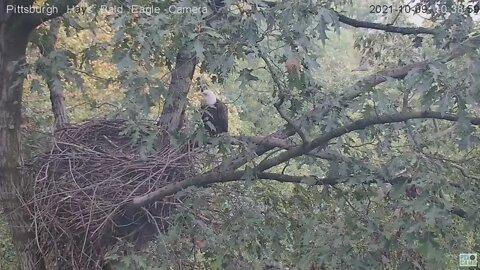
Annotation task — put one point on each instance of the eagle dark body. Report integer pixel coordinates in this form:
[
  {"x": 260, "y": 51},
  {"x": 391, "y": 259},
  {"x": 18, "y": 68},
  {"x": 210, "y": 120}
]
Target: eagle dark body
[{"x": 215, "y": 118}]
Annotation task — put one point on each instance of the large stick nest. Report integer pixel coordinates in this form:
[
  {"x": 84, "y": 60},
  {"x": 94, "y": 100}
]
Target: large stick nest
[{"x": 83, "y": 184}]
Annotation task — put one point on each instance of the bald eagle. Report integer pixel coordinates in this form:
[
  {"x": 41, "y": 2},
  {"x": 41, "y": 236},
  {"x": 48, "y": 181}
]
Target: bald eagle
[{"x": 215, "y": 113}]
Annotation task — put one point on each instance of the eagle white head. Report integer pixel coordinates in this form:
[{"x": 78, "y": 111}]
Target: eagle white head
[{"x": 209, "y": 98}]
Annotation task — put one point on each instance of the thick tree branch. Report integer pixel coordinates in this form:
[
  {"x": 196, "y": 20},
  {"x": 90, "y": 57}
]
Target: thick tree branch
[
  {"x": 297, "y": 179},
  {"x": 349, "y": 93},
  {"x": 211, "y": 178},
  {"x": 264, "y": 141},
  {"x": 356, "y": 125},
  {"x": 217, "y": 176},
  {"x": 363, "y": 24},
  {"x": 398, "y": 73},
  {"x": 13, "y": 45},
  {"x": 173, "y": 113},
  {"x": 459, "y": 212},
  {"x": 4, "y": 16},
  {"x": 387, "y": 28},
  {"x": 47, "y": 45}
]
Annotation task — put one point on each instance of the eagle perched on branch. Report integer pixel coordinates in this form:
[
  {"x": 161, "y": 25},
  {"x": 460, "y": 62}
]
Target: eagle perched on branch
[{"x": 215, "y": 113}]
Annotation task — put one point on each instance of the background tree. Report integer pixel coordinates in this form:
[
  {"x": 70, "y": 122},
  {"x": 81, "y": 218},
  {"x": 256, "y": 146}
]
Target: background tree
[{"x": 397, "y": 145}]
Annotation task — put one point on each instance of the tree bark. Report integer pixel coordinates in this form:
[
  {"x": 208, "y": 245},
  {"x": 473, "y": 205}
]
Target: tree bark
[
  {"x": 57, "y": 97},
  {"x": 14, "y": 34},
  {"x": 173, "y": 114},
  {"x": 172, "y": 118}
]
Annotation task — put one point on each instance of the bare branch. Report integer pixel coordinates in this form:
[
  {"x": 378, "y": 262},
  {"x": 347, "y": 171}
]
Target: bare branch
[
  {"x": 217, "y": 176},
  {"x": 384, "y": 27},
  {"x": 349, "y": 93},
  {"x": 297, "y": 129},
  {"x": 356, "y": 125},
  {"x": 272, "y": 142},
  {"x": 281, "y": 91},
  {"x": 298, "y": 179},
  {"x": 459, "y": 212},
  {"x": 211, "y": 178},
  {"x": 399, "y": 73},
  {"x": 455, "y": 165},
  {"x": 363, "y": 24}
]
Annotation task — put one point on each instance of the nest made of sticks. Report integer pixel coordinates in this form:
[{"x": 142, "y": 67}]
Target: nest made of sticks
[{"x": 84, "y": 181}]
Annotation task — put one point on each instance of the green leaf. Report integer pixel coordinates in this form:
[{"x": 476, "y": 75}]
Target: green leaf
[
  {"x": 398, "y": 190},
  {"x": 246, "y": 77},
  {"x": 199, "y": 50},
  {"x": 310, "y": 180},
  {"x": 36, "y": 87}
]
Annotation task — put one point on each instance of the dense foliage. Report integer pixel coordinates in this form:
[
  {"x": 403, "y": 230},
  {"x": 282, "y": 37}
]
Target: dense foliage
[{"x": 396, "y": 193}]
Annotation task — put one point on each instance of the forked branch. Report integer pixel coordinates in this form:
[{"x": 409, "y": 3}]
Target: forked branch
[{"x": 216, "y": 176}]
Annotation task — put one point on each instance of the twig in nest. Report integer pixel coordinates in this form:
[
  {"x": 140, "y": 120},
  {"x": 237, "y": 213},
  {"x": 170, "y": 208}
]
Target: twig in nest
[{"x": 83, "y": 182}]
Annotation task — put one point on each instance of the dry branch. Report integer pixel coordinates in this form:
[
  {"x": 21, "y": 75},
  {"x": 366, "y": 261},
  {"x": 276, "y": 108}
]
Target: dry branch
[{"x": 384, "y": 27}]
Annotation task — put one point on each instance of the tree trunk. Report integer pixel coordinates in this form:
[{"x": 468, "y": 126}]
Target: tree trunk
[
  {"x": 57, "y": 97},
  {"x": 172, "y": 118},
  {"x": 173, "y": 113},
  {"x": 13, "y": 43}
]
